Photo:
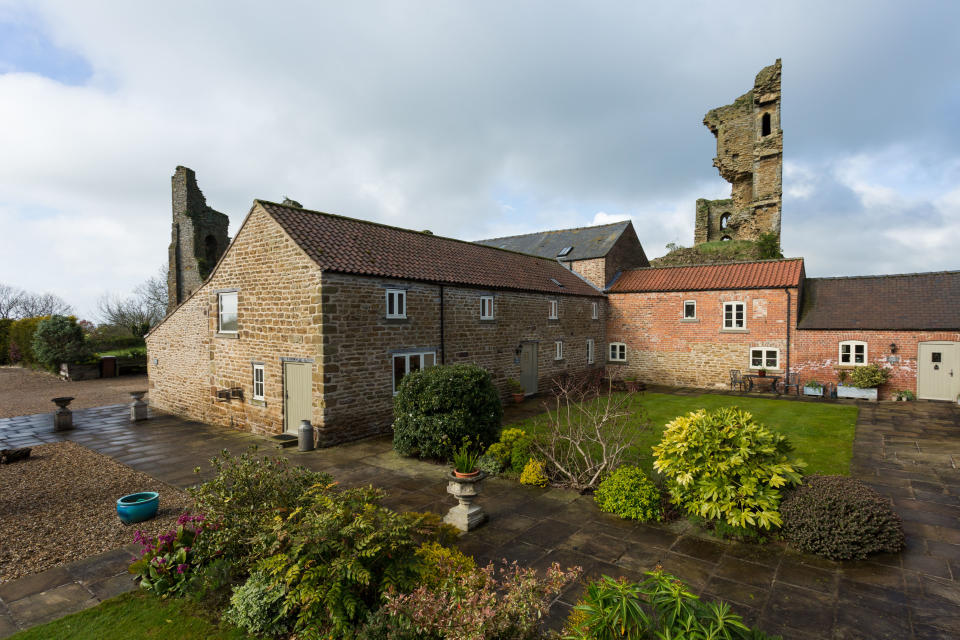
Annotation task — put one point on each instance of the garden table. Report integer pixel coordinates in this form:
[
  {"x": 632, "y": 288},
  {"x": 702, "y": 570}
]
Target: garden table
[{"x": 753, "y": 378}]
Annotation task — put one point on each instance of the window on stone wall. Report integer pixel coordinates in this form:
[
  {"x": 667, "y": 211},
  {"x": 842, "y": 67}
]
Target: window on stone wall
[
  {"x": 589, "y": 351},
  {"x": 724, "y": 220},
  {"x": 595, "y": 313},
  {"x": 618, "y": 352},
  {"x": 853, "y": 352},
  {"x": 227, "y": 312},
  {"x": 764, "y": 358},
  {"x": 396, "y": 303},
  {"x": 690, "y": 310},
  {"x": 558, "y": 350},
  {"x": 258, "y": 382},
  {"x": 486, "y": 307},
  {"x": 552, "y": 313},
  {"x": 734, "y": 315},
  {"x": 406, "y": 363},
  {"x": 765, "y": 125}
]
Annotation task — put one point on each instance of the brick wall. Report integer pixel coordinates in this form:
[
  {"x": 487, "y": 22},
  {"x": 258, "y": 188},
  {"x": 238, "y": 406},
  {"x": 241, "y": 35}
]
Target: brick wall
[
  {"x": 664, "y": 348},
  {"x": 360, "y": 342},
  {"x": 818, "y": 354}
]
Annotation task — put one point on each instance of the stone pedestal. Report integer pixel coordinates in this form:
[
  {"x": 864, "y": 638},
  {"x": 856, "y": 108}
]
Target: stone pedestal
[
  {"x": 138, "y": 408},
  {"x": 63, "y": 417},
  {"x": 467, "y": 515}
]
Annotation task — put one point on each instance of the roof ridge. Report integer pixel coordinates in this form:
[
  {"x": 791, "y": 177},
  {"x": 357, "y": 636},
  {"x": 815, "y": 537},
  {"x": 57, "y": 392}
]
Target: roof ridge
[
  {"x": 403, "y": 229},
  {"x": 537, "y": 233},
  {"x": 888, "y": 275},
  {"x": 715, "y": 264}
]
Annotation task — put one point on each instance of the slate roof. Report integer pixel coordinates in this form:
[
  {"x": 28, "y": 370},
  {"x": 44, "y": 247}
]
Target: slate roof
[
  {"x": 911, "y": 301},
  {"x": 348, "y": 245},
  {"x": 763, "y": 274},
  {"x": 587, "y": 242}
]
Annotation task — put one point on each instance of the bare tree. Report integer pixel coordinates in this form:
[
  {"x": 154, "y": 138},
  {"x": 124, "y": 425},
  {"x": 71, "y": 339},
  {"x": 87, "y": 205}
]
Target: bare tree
[
  {"x": 32, "y": 305},
  {"x": 10, "y": 299},
  {"x": 140, "y": 311},
  {"x": 153, "y": 293}
]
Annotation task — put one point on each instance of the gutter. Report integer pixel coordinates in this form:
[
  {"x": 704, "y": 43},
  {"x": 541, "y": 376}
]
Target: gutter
[
  {"x": 443, "y": 353},
  {"x": 788, "y": 337}
]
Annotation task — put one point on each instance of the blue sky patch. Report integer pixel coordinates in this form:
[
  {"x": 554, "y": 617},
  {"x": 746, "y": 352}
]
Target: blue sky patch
[{"x": 25, "y": 48}]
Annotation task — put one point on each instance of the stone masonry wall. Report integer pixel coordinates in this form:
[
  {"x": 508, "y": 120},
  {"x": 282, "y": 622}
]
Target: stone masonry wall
[
  {"x": 593, "y": 270},
  {"x": 279, "y": 316},
  {"x": 818, "y": 355},
  {"x": 359, "y": 342},
  {"x": 664, "y": 348}
]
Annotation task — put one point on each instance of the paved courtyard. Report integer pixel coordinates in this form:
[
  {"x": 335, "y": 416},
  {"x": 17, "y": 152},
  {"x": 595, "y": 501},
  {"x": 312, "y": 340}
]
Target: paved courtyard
[{"x": 908, "y": 451}]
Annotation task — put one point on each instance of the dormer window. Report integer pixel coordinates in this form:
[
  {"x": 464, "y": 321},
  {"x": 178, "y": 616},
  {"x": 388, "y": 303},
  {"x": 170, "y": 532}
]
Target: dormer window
[{"x": 396, "y": 303}]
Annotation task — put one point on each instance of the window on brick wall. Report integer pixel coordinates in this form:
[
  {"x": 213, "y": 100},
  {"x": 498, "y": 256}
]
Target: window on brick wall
[
  {"x": 258, "y": 382},
  {"x": 764, "y": 358},
  {"x": 558, "y": 350},
  {"x": 486, "y": 307},
  {"x": 227, "y": 312},
  {"x": 690, "y": 310},
  {"x": 734, "y": 315},
  {"x": 405, "y": 363},
  {"x": 552, "y": 313},
  {"x": 595, "y": 313},
  {"x": 618, "y": 352},
  {"x": 396, "y": 303},
  {"x": 589, "y": 350},
  {"x": 853, "y": 352}
]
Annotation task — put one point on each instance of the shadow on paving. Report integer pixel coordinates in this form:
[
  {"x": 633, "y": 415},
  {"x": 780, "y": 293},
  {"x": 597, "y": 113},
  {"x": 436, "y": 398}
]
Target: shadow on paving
[{"x": 908, "y": 451}]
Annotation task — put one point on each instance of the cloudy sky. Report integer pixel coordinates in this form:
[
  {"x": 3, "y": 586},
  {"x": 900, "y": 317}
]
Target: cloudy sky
[{"x": 473, "y": 119}]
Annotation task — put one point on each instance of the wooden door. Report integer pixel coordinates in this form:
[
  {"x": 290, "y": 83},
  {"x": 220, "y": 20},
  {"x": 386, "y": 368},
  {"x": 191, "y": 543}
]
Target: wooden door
[
  {"x": 297, "y": 396},
  {"x": 528, "y": 368},
  {"x": 938, "y": 370}
]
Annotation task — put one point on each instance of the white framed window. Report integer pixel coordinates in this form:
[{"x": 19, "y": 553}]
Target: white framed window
[
  {"x": 258, "y": 382},
  {"x": 689, "y": 309},
  {"x": 552, "y": 313},
  {"x": 853, "y": 352},
  {"x": 734, "y": 315},
  {"x": 596, "y": 311},
  {"x": 486, "y": 307},
  {"x": 618, "y": 352},
  {"x": 405, "y": 363},
  {"x": 396, "y": 303},
  {"x": 227, "y": 312},
  {"x": 764, "y": 358},
  {"x": 589, "y": 350},
  {"x": 558, "y": 347}
]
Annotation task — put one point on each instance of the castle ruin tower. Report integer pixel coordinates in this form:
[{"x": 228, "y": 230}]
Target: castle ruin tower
[
  {"x": 749, "y": 157},
  {"x": 198, "y": 238}
]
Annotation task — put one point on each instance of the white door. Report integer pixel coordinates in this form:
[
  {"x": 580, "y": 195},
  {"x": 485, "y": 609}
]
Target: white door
[
  {"x": 297, "y": 400},
  {"x": 938, "y": 370}
]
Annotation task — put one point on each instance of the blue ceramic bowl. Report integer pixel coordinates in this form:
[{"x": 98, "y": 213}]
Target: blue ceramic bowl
[{"x": 138, "y": 507}]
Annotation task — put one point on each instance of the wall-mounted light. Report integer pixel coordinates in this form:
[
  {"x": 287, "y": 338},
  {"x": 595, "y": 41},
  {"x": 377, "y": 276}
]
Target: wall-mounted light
[
  {"x": 893, "y": 347},
  {"x": 518, "y": 350}
]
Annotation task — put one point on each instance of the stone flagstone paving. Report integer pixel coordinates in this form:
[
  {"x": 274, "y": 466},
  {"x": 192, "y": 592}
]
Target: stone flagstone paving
[{"x": 908, "y": 451}]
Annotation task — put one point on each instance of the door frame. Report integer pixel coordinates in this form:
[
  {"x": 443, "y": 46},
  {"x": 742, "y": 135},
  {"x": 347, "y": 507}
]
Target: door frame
[{"x": 283, "y": 367}]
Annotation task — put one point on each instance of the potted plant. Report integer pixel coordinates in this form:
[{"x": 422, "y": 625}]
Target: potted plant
[
  {"x": 905, "y": 395},
  {"x": 813, "y": 388},
  {"x": 762, "y": 373},
  {"x": 515, "y": 389},
  {"x": 864, "y": 382},
  {"x": 465, "y": 461}
]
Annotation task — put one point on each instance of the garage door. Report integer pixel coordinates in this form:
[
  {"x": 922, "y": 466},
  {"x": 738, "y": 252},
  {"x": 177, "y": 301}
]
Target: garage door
[{"x": 938, "y": 370}]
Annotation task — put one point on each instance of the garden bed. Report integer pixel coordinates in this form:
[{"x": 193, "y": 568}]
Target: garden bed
[{"x": 59, "y": 506}]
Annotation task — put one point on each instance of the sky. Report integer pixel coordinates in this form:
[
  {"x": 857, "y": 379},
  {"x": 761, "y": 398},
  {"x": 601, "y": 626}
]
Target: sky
[{"x": 470, "y": 119}]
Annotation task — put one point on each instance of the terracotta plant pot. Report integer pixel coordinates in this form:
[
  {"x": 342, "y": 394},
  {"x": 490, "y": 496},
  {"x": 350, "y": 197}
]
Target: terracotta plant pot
[
  {"x": 517, "y": 398},
  {"x": 471, "y": 474},
  {"x": 762, "y": 374}
]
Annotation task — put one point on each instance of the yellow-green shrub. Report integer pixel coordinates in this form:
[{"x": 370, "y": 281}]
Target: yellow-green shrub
[
  {"x": 629, "y": 493},
  {"x": 534, "y": 474},
  {"x": 512, "y": 450},
  {"x": 721, "y": 465},
  {"x": 441, "y": 564}
]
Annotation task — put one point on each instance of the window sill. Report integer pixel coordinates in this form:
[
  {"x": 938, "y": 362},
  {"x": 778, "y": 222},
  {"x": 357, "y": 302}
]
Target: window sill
[
  {"x": 397, "y": 320},
  {"x": 553, "y": 319},
  {"x": 689, "y": 319},
  {"x": 488, "y": 321},
  {"x": 258, "y": 403},
  {"x": 734, "y": 331},
  {"x": 234, "y": 335},
  {"x": 616, "y": 362}
]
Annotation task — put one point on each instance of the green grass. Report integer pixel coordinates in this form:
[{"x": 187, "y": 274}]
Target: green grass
[
  {"x": 122, "y": 353},
  {"x": 134, "y": 615},
  {"x": 821, "y": 434}
]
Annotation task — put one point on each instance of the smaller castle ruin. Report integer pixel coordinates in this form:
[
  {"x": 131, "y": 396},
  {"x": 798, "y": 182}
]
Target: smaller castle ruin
[
  {"x": 198, "y": 238},
  {"x": 749, "y": 157}
]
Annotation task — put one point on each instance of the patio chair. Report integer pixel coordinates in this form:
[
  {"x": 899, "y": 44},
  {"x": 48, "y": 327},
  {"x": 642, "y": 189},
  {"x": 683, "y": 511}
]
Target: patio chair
[
  {"x": 791, "y": 380},
  {"x": 736, "y": 380}
]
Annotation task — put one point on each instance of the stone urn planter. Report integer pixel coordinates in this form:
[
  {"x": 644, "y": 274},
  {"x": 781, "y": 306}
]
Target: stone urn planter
[
  {"x": 844, "y": 391},
  {"x": 467, "y": 515},
  {"x": 138, "y": 507},
  {"x": 63, "y": 417},
  {"x": 138, "y": 408}
]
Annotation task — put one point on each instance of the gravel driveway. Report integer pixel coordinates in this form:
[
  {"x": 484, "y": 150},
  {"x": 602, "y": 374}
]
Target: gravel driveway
[{"x": 24, "y": 391}]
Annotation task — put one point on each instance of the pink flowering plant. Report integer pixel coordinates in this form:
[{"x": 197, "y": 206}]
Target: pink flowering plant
[{"x": 166, "y": 561}]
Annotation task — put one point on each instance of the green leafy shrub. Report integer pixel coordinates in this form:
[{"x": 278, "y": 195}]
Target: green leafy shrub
[
  {"x": 869, "y": 376},
  {"x": 441, "y": 564},
  {"x": 512, "y": 451},
  {"x": 166, "y": 562},
  {"x": 336, "y": 555},
  {"x": 435, "y": 409},
  {"x": 256, "y": 607},
  {"x": 768, "y": 246},
  {"x": 21, "y": 340},
  {"x": 629, "y": 493},
  {"x": 490, "y": 464},
  {"x": 514, "y": 386},
  {"x": 244, "y": 496},
  {"x": 59, "y": 339},
  {"x": 906, "y": 394},
  {"x": 723, "y": 465},
  {"x": 840, "y": 518},
  {"x": 534, "y": 473},
  {"x": 5, "y": 340}
]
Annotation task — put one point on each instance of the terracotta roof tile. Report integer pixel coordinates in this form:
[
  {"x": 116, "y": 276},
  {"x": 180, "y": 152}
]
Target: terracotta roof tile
[
  {"x": 765, "y": 274},
  {"x": 348, "y": 245}
]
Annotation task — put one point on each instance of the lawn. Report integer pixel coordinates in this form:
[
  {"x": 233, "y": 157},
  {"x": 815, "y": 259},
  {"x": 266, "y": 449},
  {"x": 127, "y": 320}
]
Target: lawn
[
  {"x": 821, "y": 433},
  {"x": 124, "y": 353},
  {"x": 134, "y": 615}
]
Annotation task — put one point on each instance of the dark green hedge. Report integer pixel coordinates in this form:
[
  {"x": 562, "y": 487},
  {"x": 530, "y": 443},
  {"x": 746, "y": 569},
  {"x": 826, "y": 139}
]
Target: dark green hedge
[
  {"x": 437, "y": 408},
  {"x": 21, "y": 340},
  {"x": 5, "y": 340}
]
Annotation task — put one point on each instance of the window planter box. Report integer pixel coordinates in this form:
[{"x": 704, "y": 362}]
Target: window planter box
[
  {"x": 843, "y": 391},
  {"x": 813, "y": 391}
]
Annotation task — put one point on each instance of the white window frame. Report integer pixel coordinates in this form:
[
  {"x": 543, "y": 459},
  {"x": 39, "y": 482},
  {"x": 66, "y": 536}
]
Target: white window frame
[
  {"x": 236, "y": 319},
  {"x": 617, "y": 352},
  {"x": 589, "y": 350},
  {"x": 558, "y": 350},
  {"x": 852, "y": 361},
  {"x": 554, "y": 311},
  {"x": 400, "y": 304},
  {"x": 406, "y": 357},
  {"x": 258, "y": 368},
  {"x": 685, "y": 303},
  {"x": 733, "y": 317},
  {"x": 595, "y": 313},
  {"x": 765, "y": 358},
  {"x": 486, "y": 307}
]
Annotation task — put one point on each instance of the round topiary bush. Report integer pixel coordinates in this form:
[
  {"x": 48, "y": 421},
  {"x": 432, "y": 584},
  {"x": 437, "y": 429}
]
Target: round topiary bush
[
  {"x": 629, "y": 493},
  {"x": 437, "y": 408},
  {"x": 840, "y": 518},
  {"x": 59, "y": 339}
]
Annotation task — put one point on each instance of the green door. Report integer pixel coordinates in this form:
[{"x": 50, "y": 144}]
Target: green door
[{"x": 297, "y": 401}]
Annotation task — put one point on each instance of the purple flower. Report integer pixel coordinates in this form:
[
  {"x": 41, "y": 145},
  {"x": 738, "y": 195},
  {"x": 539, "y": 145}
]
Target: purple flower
[{"x": 181, "y": 568}]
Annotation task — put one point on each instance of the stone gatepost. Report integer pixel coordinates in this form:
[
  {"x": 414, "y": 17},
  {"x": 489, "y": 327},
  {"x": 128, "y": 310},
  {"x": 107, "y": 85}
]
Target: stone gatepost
[{"x": 63, "y": 417}]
